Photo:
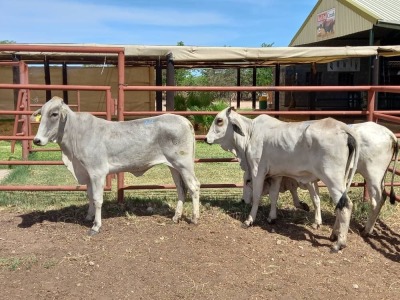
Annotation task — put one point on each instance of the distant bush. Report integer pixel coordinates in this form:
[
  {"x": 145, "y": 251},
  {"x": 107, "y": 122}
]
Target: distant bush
[{"x": 199, "y": 101}]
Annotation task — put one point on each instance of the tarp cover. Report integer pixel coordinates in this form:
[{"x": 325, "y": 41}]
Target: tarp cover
[{"x": 203, "y": 55}]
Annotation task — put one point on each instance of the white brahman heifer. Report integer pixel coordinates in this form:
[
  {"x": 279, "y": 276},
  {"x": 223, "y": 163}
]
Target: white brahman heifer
[
  {"x": 378, "y": 147},
  {"x": 93, "y": 148},
  {"x": 306, "y": 151}
]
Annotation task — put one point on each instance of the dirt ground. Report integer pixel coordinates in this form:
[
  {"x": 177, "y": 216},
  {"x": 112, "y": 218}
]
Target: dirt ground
[{"x": 142, "y": 255}]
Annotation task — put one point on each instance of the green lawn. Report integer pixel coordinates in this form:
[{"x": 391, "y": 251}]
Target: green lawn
[{"x": 205, "y": 172}]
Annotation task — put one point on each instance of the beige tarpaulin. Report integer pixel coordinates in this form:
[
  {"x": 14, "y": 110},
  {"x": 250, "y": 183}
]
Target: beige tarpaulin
[{"x": 193, "y": 55}]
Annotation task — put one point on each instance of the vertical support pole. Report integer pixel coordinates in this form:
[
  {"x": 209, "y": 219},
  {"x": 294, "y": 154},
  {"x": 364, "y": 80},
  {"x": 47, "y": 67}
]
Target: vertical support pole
[
  {"x": 277, "y": 83},
  {"x": 16, "y": 78},
  {"x": 371, "y": 105},
  {"x": 170, "y": 81},
  {"x": 24, "y": 127},
  {"x": 47, "y": 77},
  {"x": 375, "y": 77},
  {"x": 25, "y": 105},
  {"x": 254, "y": 94},
  {"x": 313, "y": 82},
  {"x": 371, "y": 43},
  {"x": 120, "y": 115},
  {"x": 65, "y": 81},
  {"x": 158, "y": 83},
  {"x": 238, "y": 83},
  {"x": 109, "y": 103}
]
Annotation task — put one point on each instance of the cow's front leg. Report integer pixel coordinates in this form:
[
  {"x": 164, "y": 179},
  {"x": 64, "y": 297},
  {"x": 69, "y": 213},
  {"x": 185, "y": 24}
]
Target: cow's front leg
[
  {"x": 95, "y": 189},
  {"x": 273, "y": 196},
  {"x": 258, "y": 185},
  {"x": 91, "y": 210}
]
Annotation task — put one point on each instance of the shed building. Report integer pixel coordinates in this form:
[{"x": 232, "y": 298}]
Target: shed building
[{"x": 334, "y": 23}]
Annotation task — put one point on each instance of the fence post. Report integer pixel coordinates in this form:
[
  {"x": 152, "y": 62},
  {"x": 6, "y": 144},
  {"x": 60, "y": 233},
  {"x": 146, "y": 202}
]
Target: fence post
[
  {"x": 371, "y": 105},
  {"x": 120, "y": 112}
]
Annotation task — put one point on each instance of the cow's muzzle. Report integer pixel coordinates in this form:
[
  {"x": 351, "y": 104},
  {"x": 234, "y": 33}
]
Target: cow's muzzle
[
  {"x": 206, "y": 141},
  {"x": 37, "y": 141}
]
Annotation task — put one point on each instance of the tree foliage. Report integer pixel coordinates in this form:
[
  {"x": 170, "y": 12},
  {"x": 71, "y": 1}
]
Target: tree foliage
[{"x": 224, "y": 77}]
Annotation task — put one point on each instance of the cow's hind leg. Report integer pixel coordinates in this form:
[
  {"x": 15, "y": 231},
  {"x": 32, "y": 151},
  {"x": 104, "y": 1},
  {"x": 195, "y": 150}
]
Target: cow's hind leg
[
  {"x": 186, "y": 180},
  {"x": 377, "y": 201},
  {"x": 95, "y": 193},
  {"x": 343, "y": 215},
  {"x": 180, "y": 189}
]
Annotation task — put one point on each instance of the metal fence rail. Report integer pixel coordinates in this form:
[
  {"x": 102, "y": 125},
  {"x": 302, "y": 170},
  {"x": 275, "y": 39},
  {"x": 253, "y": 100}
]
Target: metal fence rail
[{"x": 25, "y": 110}]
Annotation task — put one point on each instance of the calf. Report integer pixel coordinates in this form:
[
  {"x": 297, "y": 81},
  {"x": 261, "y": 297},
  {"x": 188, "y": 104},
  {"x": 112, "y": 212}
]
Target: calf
[
  {"x": 306, "y": 151},
  {"x": 92, "y": 148},
  {"x": 378, "y": 146}
]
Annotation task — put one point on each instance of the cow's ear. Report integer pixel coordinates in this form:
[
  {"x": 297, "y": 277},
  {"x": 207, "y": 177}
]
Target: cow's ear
[
  {"x": 237, "y": 124},
  {"x": 36, "y": 115},
  {"x": 63, "y": 112},
  {"x": 237, "y": 129}
]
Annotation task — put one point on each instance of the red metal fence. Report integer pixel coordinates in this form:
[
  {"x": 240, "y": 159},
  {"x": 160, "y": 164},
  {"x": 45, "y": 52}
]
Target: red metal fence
[{"x": 24, "y": 109}]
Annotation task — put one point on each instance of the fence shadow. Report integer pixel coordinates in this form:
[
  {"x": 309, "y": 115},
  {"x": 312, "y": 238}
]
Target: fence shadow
[
  {"x": 292, "y": 223},
  {"x": 111, "y": 209},
  {"x": 295, "y": 224},
  {"x": 385, "y": 241}
]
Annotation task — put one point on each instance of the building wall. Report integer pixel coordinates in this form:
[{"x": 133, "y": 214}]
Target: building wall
[
  {"x": 346, "y": 21},
  {"x": 299, "y": 75},
  {"x": 90, "y": 101}
]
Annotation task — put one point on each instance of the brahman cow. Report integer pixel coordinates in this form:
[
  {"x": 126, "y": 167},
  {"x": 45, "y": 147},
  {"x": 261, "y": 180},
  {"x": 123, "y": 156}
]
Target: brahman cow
[
  {"x": 327, "y": 150},
  {"x": 93, "y": 147},
  {"x": 378, "y": 146}
]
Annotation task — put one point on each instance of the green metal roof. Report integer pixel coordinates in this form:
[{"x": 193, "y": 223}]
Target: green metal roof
[{"x": 385, "y": 11}]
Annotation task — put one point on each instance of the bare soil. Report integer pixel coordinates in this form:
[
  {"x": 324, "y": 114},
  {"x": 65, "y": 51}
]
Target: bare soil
[{"x": 143, "y": 255}]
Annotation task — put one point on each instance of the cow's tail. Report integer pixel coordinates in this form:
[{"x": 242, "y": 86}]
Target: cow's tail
[
  {"x": 354, "y": 154},
  {"x": 392, "y": 195}
]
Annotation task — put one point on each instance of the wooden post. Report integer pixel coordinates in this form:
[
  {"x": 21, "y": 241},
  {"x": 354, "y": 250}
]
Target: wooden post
[
  {"x": 170, "y": 81},
  {"x": 158, "y": 83}
]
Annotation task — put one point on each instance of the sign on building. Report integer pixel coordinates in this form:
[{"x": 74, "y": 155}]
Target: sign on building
[
  {"x": 326, "y": 23},
  {"x": 345, "y": 65}
]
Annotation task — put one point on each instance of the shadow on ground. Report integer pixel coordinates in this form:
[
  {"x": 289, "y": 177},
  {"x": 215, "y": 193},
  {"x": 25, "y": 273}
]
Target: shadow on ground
[{"x": 291, "y": 223}]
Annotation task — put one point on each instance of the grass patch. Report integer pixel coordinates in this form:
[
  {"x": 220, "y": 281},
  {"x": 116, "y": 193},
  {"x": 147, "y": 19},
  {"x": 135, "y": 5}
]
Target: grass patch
[
  {"x": 161, "y": 201},
  {"x": 16, "y": 263}
]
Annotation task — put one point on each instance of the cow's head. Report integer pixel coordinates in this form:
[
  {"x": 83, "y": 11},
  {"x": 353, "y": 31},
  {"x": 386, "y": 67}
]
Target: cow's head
[
  {"x": 52, "y": 116},
  {"x": 225, "y": 125}
]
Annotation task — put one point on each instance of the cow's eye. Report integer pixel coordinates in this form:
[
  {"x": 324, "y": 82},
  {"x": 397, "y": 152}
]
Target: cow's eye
[
  {"x": 219, "y": 121},
  {"x": 54, "y": 114}
]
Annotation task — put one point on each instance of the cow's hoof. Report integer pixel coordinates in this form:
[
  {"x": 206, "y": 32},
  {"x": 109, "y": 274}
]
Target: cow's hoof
[
  {"x": 246, "y": 224},
  {"x": 304, "y": 206},
  {"x": 271, "y": 221},
  {"x": 89, "y": 218},
  {"x": 176, "y": 219},
  {"x": 337, "y": 247},
  {"x": 364, "y": 232},
  {"x": 333, "y": 237},
  {"x": 194, "y": 221},
  {"x": 92, "y": 232},
  {"x": 315, "y": 226}
]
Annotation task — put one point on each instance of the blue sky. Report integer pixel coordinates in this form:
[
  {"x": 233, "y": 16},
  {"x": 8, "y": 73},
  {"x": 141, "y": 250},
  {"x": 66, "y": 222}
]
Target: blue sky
[{"x": 236, "y": 23}]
